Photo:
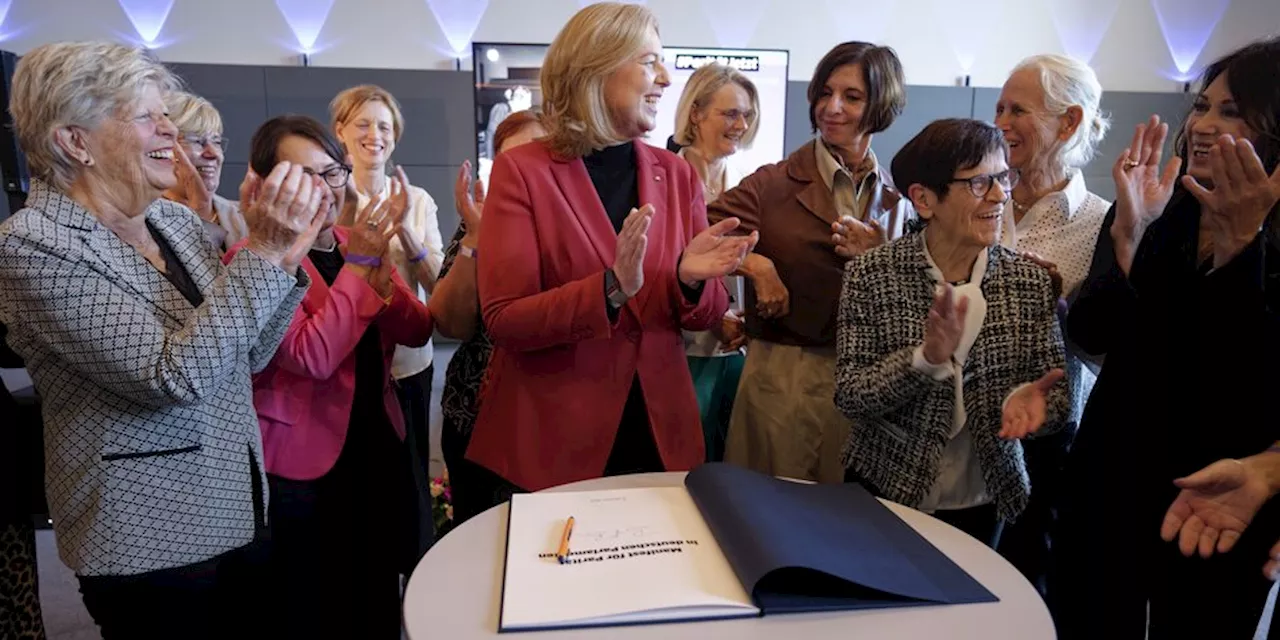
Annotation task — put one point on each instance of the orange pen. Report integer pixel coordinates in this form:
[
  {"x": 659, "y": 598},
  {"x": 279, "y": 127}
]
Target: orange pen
[{"x": 563, "y": 554}]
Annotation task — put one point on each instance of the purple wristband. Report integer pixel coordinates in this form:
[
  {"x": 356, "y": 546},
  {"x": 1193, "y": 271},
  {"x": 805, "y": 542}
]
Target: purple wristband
[
  {"x": 420, "y": 257},
  {"x": 364, "y": 261}
]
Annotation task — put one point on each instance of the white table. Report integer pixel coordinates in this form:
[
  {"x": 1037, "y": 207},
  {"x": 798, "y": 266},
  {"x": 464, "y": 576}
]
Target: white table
[{"x": 456, "y": 589}]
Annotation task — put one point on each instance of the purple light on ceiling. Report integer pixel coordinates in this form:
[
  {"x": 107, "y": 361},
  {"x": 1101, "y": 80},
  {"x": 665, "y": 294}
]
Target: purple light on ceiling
[
  {"x": 306, "y": 18},
  {"x": 1081, "y": 24},
  {"x": 734, "y": 28},
  {"x": 969, "y": 27},
  {"x": 866, "y": 21},
  {"x": 147, "y": 16},
  {"x": 4, "y": 9},
  {"x": 1187, "y": 25},
  {"x": 458, "y": 20}
]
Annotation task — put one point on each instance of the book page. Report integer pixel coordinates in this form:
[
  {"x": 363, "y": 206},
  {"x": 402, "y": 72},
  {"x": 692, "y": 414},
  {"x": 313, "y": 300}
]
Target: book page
[{"x": 634, "y": 554}]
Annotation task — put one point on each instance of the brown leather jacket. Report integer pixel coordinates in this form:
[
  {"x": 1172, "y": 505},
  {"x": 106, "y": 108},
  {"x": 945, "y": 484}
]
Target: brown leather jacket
[{"x": 791, "y": 206}]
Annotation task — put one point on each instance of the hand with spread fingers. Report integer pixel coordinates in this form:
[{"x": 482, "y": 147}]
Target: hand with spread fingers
[
  {"x": 715, "y": 254},
  {"x": 852, "y": 237},
  {"x": 1142, "y": 189},
  {"x": 1214, "y": 507},
  {"x": 285, "y": 212},
  {"x": 1240, "y": 199},
  {"x": 1024, "y": 411}
]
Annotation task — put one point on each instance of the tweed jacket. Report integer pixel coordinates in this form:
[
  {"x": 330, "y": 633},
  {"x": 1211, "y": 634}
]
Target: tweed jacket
[
  {"x": 148, "y": 403},
  {"x": 902, "y": 417}
]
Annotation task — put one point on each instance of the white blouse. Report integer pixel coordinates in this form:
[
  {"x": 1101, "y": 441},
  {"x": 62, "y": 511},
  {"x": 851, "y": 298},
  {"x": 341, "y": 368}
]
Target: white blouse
[
  {"x": 959, "y": 484},
  {"x": 1061, "y": 227}
]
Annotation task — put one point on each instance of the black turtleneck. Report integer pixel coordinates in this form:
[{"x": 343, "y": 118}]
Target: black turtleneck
[{"x": 613, "y": 173}]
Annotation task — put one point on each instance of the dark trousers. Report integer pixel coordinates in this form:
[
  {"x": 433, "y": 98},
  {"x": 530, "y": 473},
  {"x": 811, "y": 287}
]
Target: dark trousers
[
  {"x": 982, "y": 522},
  {"x": 414, "y": 394},
  {"x": 224, "y": 597},
  {"x": 341, "y": 542},
  {"x": 1027, "y": 543}
]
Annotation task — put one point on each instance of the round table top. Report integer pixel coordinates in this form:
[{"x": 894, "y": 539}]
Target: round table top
[{"x": 456, "y": 589}]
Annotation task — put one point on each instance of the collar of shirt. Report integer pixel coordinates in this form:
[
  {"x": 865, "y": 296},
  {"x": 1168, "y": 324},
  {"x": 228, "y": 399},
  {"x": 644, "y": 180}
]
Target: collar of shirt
[{"x": 836, "y": 175}]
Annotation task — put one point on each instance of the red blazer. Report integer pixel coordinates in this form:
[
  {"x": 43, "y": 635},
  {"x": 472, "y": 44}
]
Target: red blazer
[
  {"x": 304, "y": 395},
  {"x": 560, "y": 372}
]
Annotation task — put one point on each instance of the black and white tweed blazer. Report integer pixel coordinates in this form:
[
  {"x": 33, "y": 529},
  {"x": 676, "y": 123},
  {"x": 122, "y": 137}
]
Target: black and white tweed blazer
[
  {"x": 901, "y": 416},
  {"x": 148, "y": 402}
]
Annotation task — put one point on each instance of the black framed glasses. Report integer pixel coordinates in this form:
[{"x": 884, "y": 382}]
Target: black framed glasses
[
  {"x": 336, "y": 177},
  {"x": 200, "y": 143},
  {"x": 980, "y": 186}
]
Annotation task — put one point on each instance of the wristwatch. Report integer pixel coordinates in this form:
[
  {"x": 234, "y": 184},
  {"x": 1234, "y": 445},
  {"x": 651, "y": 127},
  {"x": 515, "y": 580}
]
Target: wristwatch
[{"x": 613, "y": 291}]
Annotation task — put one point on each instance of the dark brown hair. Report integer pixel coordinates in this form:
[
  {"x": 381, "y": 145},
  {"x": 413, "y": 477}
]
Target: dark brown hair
[
  {"x": 942, "y": 149},
  {"x": 513, "y": 124},
  {"x": 1253, "y": 77},
  {"x": 881, "y": 71},
  {"x": 265, "y": 145}
]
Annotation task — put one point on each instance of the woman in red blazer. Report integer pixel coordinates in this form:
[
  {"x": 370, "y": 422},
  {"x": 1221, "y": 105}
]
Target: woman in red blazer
[
  {"x": 594, "y": 254},
  {"x": 343, "y": 512}
]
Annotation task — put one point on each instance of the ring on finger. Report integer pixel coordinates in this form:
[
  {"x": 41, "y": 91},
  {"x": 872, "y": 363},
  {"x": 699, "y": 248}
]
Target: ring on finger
[{"x": 1129, "y": 164}]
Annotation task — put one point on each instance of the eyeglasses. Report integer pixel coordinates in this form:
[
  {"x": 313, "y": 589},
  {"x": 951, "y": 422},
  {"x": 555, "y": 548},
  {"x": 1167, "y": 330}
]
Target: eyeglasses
[
  {"x": 979, "y": 186},
  {"x": 732, "y": 115},
  {"x": 335, "y": 177},
  {"x": 200, "y": 143}
]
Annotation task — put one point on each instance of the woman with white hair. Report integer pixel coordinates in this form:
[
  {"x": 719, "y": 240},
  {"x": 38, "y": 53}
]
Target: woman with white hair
[
  {"x": 595, "y": 253},
  {"x": 1048, "y": 112},
  {"x": 141, "y": 344},
  {"x": 718, "y": 115},
  {"x": 199, "y": 170}
]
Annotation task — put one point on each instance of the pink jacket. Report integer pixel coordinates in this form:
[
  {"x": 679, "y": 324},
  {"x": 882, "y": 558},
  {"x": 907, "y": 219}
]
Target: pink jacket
[{"x": 304, "y": 395}]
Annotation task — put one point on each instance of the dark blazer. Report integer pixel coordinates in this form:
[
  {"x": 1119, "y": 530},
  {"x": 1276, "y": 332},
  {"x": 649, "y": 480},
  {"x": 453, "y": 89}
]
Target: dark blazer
[
  {"x": 148, "y": 406},
  {"x": 902, "y": 416},
  {"x": 561, "y": 370}
]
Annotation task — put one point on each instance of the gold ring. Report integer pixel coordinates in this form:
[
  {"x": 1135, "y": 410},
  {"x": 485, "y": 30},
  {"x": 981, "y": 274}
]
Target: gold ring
[{"x": 1129, "y": 164}]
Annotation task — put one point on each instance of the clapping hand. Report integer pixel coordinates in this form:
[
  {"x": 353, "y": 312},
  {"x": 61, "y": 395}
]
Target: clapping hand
[
  {"x": 944, "y": 325},
  {"x": 1142, "y": 189},
  {"x": 1055, "y": 276},
  {"x": 731, "y": 332},
  {"x": 469, "y": 202},
  {"x": 853, "y": 237},
  {"x": 633, "y": 243},
  {"x": 714, "y": 254},
  {"x": 1242, "y": 196},
  {"x": 371, "y": 232},
  {"x": 285, "y": 212},
  {"x": 1024, "y": 411}
]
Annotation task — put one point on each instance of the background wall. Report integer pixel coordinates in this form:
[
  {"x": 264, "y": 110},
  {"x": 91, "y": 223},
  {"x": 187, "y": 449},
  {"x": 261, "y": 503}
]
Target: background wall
[{"x": 1135, "y": 45}]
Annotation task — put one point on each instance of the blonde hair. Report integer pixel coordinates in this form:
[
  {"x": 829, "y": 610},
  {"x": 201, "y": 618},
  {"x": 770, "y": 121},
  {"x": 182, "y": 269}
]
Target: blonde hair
[
  {"x": 193, "y": 115},
  {"x": 345, "y": 105},
  {"x": 75, "y": 84},
  {"x": 595, "y": 42},
  {"x": 702, "y": 85}
]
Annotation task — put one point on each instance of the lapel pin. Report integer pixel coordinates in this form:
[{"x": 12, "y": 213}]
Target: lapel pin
[{"x": 658, "y": 178}]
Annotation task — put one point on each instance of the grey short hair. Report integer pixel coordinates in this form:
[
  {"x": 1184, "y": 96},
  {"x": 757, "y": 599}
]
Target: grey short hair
[
  {"x": 1068, "y": 82},
  {"x": 704, "y": 83},
  {"x": 75, "y": 84},
  {"x": 193, "y": 115}
]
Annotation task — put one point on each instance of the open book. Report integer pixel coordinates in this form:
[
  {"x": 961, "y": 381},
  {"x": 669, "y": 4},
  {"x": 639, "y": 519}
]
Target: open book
[{"x": 730, "y": 543}]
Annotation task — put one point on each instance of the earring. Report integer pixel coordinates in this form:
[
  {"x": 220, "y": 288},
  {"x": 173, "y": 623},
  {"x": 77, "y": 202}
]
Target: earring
[{"x": 88, "y": 162}]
